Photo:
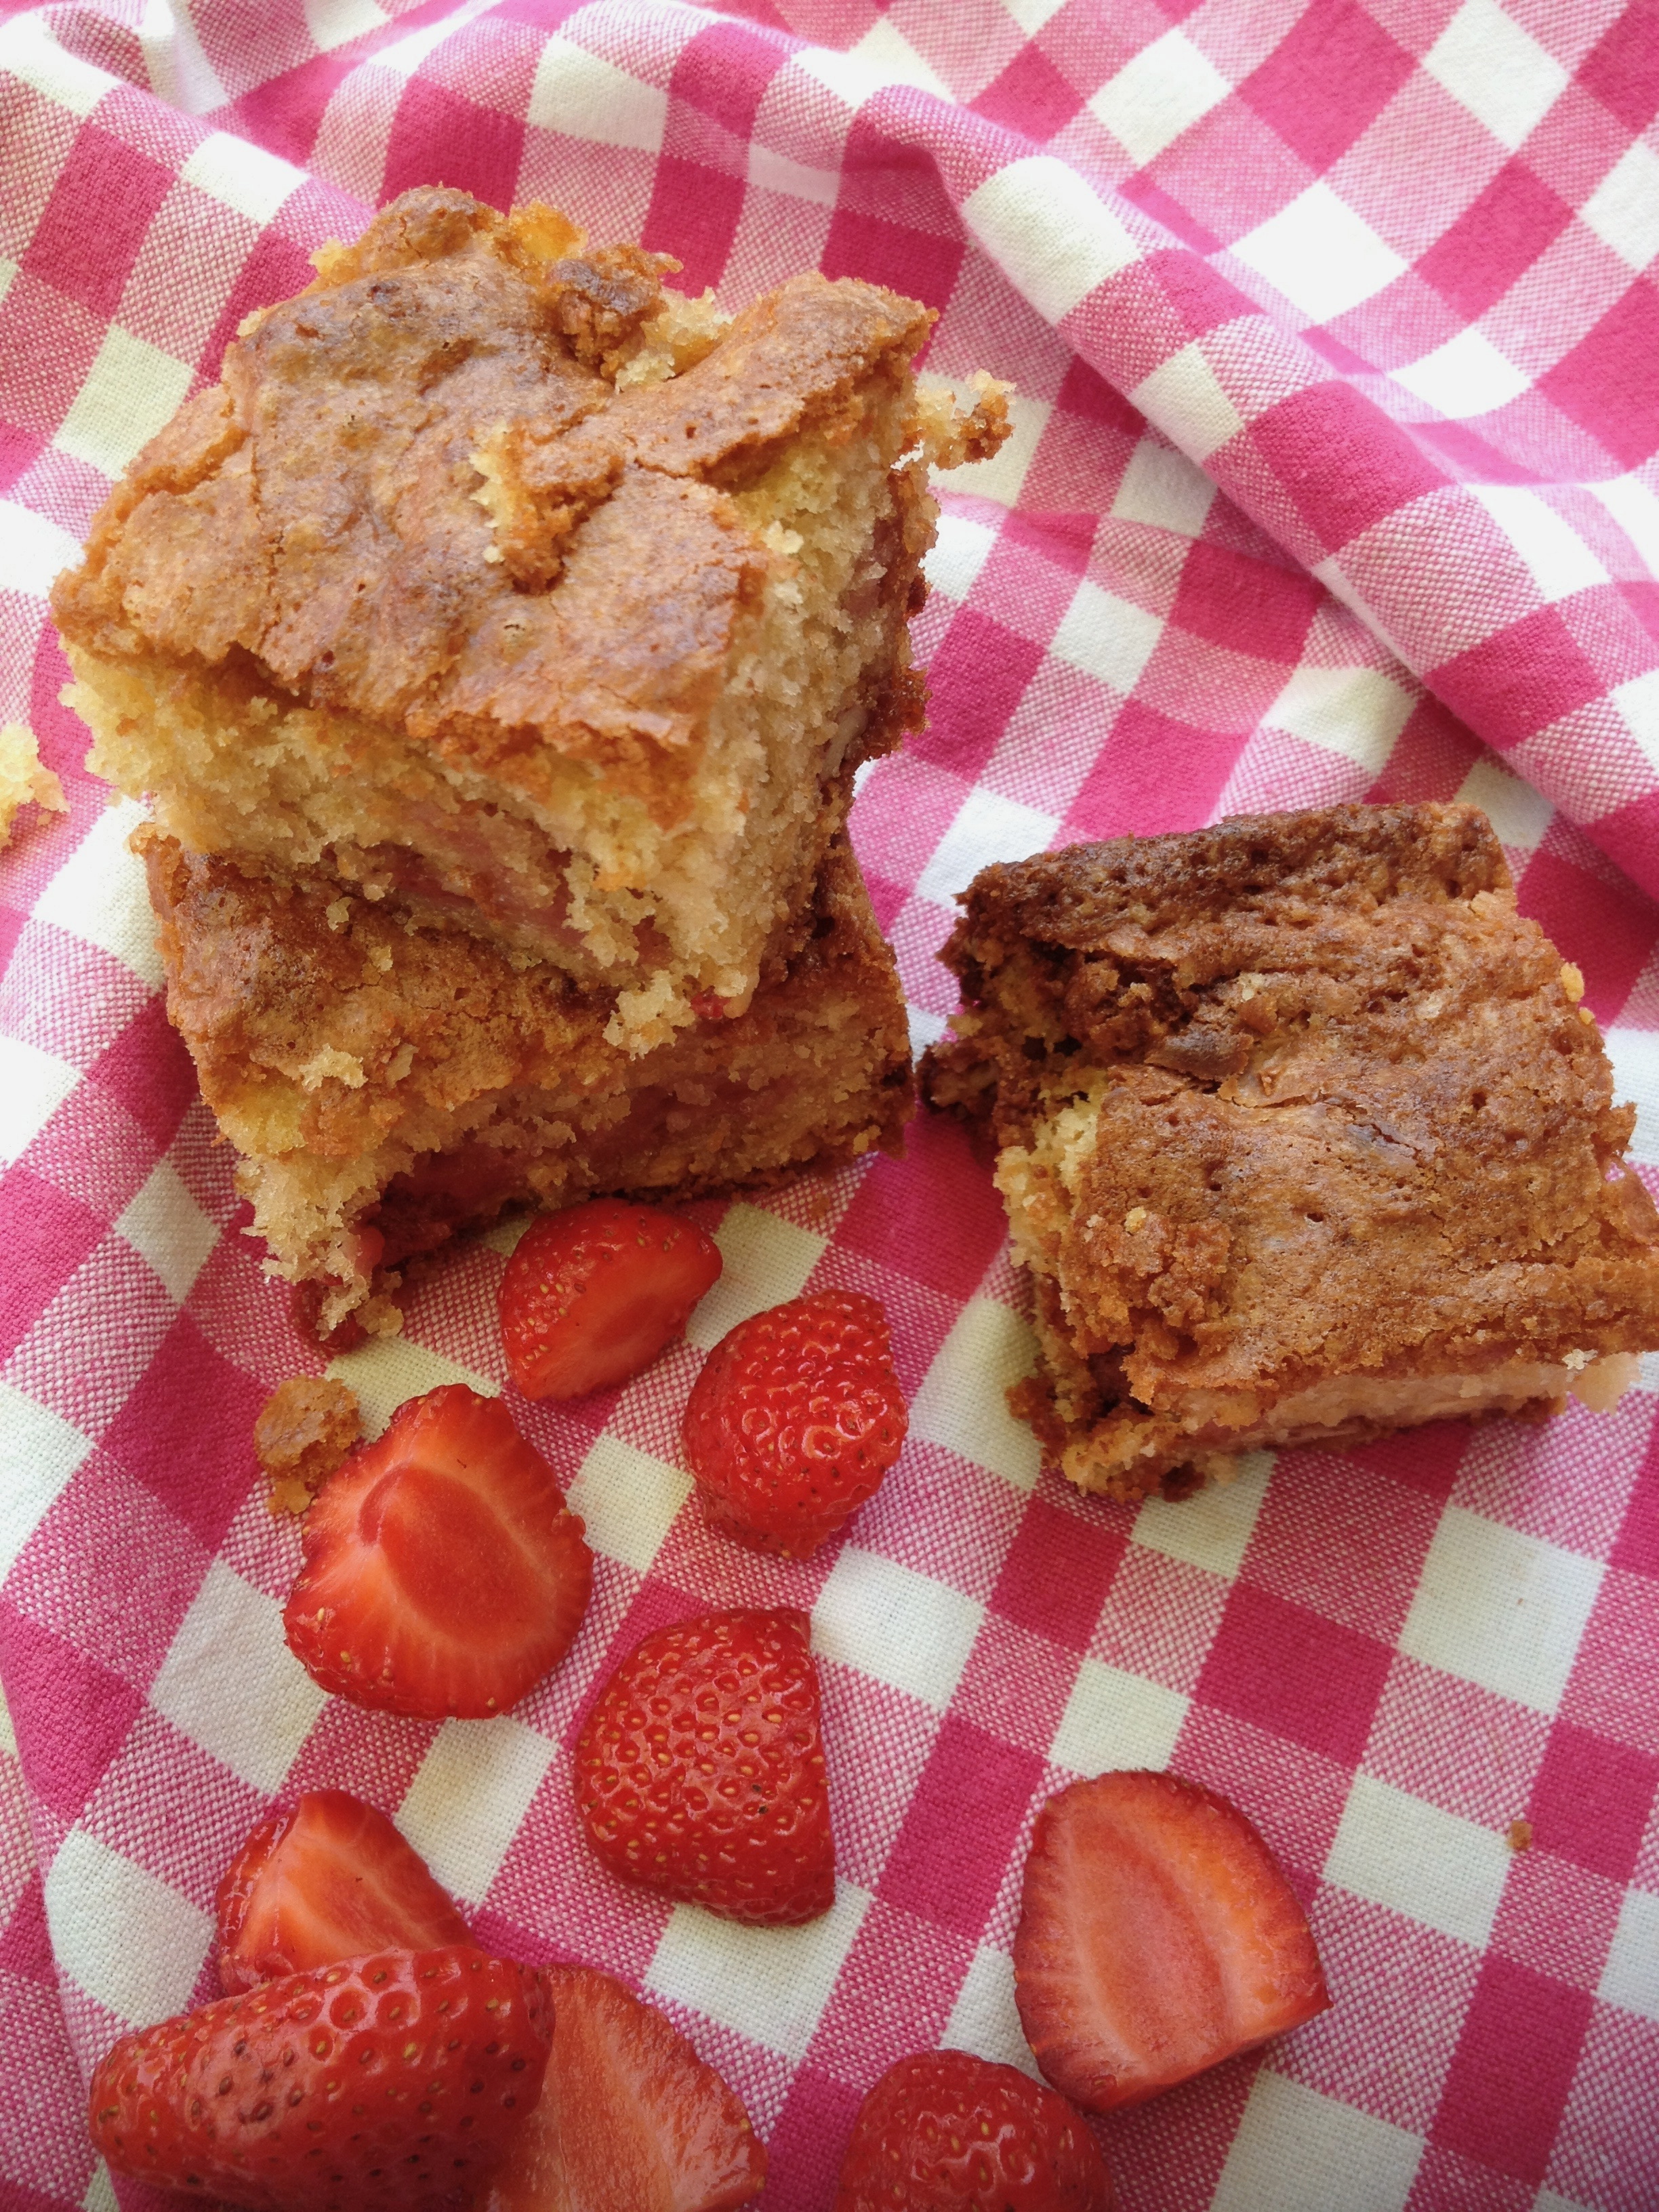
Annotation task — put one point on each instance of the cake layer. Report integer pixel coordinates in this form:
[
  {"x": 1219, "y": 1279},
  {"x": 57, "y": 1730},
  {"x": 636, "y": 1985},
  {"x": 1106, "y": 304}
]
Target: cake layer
[
  {"x": 1304, "y": 1135},
  {"x": 388, "y": 1082},
  {"x": 496, "y": 579}
]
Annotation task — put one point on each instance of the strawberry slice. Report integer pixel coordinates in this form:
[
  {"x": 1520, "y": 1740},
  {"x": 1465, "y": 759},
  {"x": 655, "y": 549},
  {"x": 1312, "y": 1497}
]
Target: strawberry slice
[
  {"x": 392, "y": 2083},
  {"x": 631, "y": 2118},
  {"x": 591, "y": 1295},
  {"x": 699, "y": 1770},
  {"x": 943, "y": 2129},
  {"x": 444, "y": 1573},
  {"x": 1157, "y": 1935},
  {"x": 330, "y": 1880}
]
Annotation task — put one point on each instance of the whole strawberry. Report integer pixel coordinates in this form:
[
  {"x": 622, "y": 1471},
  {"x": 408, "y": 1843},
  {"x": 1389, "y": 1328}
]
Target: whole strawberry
[
  {"x": 793, "y": 1421},
  {"x": 392, "y": 2083},
  {"x": 700, "y": 1772},
  {"x": 592, "y": 1294},
  {"x": 944, "y": 2131}
]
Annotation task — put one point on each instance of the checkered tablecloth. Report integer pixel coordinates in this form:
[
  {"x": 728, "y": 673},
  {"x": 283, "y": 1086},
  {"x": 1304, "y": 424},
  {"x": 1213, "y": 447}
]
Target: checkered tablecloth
[{"x": 1337, "y": 342}]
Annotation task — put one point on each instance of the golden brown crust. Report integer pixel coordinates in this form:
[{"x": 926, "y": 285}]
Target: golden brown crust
[
  {"x": 1336, "y": 1111},
  {"x": 439, "y": 1078},
  {"x": 320, "y": 511}
]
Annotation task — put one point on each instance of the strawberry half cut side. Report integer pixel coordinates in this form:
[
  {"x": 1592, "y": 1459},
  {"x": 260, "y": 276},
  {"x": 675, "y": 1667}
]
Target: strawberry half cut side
[
  {"x": 592, "y": 1294},
  {"x": 330, "y": 1880},
  {"x": 444, "y": 1573},
  {"x": 699, "y": 1770},
  {"x": 392, "y": 2083},
  {"x": 944, "y": 2127},
  {"x": 1157, "y": 1935},
  {"x": 631, "y": 2118}
]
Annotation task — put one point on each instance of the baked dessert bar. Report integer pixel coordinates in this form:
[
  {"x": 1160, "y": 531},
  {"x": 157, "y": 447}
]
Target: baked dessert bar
[
  {"x": 496, "y": 578},
  {"x": 388, "y": 1082},
  {"x": 1305, "y": 1136}
]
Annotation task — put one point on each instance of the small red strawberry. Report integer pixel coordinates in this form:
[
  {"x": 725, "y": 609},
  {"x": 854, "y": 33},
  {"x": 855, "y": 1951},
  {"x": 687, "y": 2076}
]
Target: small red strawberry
[
  {"x": 1157, "y": 1935},
  {"x": 630, "y": 2119},
  {"x": 591, "y": 1295},
  {"x": 793, "y": 1421},
  {"x": 391, "y": 2083},
  {"x": 699, "y": 1770},
  {"x": 443, "y": 1571},
  {"x": 946, "y": 2132},
  {"x": 330, "y": 1880}
]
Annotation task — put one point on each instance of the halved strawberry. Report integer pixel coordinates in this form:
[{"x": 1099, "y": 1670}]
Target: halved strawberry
[
  {"x": 591, "y": 1295},
  {"x": 330, "y": 1880},
  {"x": 943, "y": 2129},
  {"x": 631, "y": 2118},
  {"x": 444, "y": 1572},
  {"x": 391, "y": 2083},
  {"x": 1157, "y": 1935},
  {"x": 700, "y": 1769}
]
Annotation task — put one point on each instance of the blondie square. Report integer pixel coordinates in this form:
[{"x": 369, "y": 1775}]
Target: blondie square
[
  {"x": 496, "y": 579},
  {"x": 1304, "y": 1136},
  {"x": 388, "y": 1082}
]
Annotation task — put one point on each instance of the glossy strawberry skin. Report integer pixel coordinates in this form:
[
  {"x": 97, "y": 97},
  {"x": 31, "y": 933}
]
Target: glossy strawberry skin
[
  {"x": 391, "y": 2083},
  {"x": 794, "y": 1419},
  {"x": 944, "y": 2132},
  {"x": 332, "y": 1879},
  {"x": 699, "y": 1770},
  {"x": 631, "y": 2118},
  {"x": 1158, "y": 1937},
  {"x": 444, "y": 1573},
  {"x": 592, "y": 1294}
]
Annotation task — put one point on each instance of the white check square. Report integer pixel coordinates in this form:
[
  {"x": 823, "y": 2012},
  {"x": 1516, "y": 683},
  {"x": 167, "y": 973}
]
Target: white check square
[
  {"x": 767, "y": 1983},
  {"x": 1323, "y": 257},
  {"x": 903, "y": 1628},
  {"x": 1500, "y": 1608},
  {"x": 1415, "y": 1859},
  {"x": 1496, "y": 69},
  {"x": 230, "y": 1683},
  {"x": 1167, "y": 87}
]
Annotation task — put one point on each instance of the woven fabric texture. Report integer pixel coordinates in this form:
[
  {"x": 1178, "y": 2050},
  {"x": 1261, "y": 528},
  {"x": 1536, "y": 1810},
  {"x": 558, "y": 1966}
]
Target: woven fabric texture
[{"x": 1335, "y": 333}]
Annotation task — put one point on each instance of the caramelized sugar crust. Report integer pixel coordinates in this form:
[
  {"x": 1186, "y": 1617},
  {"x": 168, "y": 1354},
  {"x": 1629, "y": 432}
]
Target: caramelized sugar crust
[
  {"x": 389, "y": 1083},
  {"x": 494, "y": 577},
  {"x": 1304, "y": 1134}
]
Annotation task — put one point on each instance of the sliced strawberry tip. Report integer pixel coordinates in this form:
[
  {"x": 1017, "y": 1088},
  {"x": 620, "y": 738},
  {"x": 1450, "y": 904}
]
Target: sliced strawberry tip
[{"x": 330, "y": 1880}]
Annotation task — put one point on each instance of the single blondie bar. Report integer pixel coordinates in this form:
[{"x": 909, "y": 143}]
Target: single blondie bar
[
  {"x": 1305, "y": 1136},
  {"x": 494, "y": 579},
  {"x": 388, "y": 1082}
]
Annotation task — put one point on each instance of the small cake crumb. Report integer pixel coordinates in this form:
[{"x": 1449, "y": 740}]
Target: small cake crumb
[
  {"x": 1518, "y": 1835},
  {"x": 23, "y": 781},
  {"x": 303, "y": 1431}
]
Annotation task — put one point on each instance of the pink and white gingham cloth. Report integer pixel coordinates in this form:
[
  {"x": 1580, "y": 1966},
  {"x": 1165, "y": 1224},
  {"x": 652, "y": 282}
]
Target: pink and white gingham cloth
[{"x": 1334, "y": 477}]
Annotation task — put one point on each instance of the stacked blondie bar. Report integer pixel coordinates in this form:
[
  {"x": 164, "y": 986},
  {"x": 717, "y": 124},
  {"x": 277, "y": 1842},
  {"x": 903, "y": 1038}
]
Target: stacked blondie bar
[{"x": 497, "y": 644}]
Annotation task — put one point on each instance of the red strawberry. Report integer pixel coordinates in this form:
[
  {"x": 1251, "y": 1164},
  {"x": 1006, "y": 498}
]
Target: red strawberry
[
  {"x": 793, "y": 1421},
  {"x": 391, "y": 2083},
  {"x": 631, "y": 2118},
  {"x": 443, "y": 1573},
  {"x": 330, "y": 1880},
  {"x": 1157, "y": 1935},
  {"x": 591, "y": 1295},
  {"x": 700, "y": 1772},
  {"x": 947, "y": 2132}
]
